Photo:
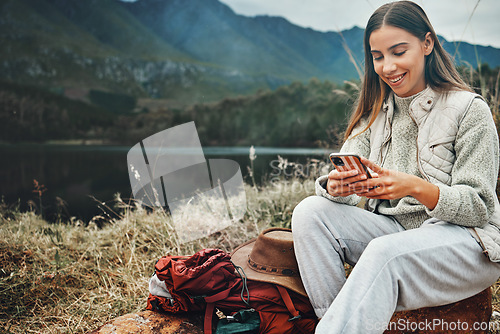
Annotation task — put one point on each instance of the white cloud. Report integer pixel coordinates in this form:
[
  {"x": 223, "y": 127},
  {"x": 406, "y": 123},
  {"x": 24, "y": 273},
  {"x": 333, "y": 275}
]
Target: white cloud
[{"x": 449, "y": 17}]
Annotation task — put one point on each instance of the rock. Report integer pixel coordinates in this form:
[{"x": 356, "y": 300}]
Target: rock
[
  {"x": 471, "y": 315},
  {"x": 149, "y": 322},
  {"x": 459, "y": 317}
]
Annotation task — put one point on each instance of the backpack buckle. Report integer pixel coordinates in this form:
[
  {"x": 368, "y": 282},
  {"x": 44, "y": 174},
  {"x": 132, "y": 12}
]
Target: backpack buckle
[
  {"x": 221, "y": 315},
  {"x": 230, "y": 318}
]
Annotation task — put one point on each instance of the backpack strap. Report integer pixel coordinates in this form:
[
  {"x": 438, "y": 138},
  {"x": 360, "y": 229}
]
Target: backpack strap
[
  {"x": 296, "y": 315},
  {"x": 288, "y": 303},
  {"x": 207, "y": 323},
  {"x": 211, "y": 300}
]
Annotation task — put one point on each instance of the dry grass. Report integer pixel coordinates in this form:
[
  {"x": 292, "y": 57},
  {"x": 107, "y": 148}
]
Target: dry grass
[{"x": 71, "y": 278}]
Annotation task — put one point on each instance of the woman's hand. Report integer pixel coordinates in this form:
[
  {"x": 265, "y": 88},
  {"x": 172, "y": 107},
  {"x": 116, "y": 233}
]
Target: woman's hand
[
  {"x": 339, "y": 183},
  {"x": 390, "y": 184}
]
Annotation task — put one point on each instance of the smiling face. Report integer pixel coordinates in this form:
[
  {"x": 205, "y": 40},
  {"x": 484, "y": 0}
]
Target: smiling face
[{"x": 399, "y": 59}]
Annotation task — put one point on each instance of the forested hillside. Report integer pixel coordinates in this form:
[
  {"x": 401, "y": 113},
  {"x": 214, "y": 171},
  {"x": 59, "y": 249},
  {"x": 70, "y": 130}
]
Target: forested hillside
[{"x": 294, "y": 115}]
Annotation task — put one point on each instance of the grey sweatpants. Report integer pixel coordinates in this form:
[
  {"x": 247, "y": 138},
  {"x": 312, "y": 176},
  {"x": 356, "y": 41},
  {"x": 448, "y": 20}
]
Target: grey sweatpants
[{"x": 396, "y": 269}]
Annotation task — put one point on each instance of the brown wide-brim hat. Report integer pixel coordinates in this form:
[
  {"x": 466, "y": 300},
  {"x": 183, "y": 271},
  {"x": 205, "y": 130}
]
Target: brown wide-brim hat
[{"x": 270, "y": 258}]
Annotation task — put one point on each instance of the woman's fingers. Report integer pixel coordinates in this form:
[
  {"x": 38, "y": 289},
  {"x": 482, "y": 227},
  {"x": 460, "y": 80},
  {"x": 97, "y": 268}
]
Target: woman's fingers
[
  {"x": 374, "y": 167},
  {"x": 364, "y": 187},
  {"x": 353, "y": 182},
  {"x": 340, "y": 190},
  {"x": 339, "y": 182},
  {"x": 335, "y": 174},
  {"x": 384, "y": 183},
  {"x": 346, "y": 177}
]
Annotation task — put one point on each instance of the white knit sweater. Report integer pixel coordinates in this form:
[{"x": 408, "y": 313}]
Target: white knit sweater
[{"x": 402, "y": 156}]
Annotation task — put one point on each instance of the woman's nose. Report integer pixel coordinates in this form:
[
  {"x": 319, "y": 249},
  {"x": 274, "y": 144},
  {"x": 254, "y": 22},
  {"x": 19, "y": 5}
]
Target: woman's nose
[{"x": 389, "y": 65}]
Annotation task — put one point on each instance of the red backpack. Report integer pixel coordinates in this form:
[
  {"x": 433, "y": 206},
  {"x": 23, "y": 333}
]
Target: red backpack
[{"x": 209, "y": 280}]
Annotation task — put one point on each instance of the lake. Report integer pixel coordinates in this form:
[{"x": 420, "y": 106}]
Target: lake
[{"x": 85, "y": 176}]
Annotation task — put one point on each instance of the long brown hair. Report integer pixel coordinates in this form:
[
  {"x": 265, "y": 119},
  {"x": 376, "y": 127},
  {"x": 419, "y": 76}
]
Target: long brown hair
[{"x": 440, "y": 72}]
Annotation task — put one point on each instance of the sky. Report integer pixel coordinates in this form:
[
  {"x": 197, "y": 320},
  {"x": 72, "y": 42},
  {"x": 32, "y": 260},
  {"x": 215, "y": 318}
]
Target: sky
[{"x": 451, "y": 18}]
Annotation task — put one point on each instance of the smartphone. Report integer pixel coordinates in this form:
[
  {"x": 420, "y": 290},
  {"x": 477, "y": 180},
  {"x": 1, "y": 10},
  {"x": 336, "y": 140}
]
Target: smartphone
[{"x": 344, "y": 162}]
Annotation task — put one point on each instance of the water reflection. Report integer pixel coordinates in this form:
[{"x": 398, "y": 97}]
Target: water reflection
[{"x": 78, "y": 174}]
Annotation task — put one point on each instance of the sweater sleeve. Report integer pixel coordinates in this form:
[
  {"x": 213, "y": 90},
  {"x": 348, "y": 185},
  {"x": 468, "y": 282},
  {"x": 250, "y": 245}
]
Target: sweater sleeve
[
  {"x": 470, "y": 199},
  {"x": 358, "y": 143}
]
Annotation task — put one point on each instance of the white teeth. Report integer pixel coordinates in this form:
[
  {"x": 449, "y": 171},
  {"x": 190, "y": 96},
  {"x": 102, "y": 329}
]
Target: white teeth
[{"x": 396, "y": 79}]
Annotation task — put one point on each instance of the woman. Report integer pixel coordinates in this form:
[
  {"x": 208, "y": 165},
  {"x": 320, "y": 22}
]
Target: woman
[{"x": 430, "y": 234}]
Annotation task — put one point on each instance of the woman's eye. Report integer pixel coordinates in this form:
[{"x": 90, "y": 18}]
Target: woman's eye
[
  {"x": 377, "y": 58},
  {"x": 399, "y": 53}
]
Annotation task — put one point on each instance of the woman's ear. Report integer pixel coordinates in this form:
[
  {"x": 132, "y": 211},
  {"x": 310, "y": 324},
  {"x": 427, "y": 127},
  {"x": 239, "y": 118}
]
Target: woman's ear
[{"x": 428, "y": 44}]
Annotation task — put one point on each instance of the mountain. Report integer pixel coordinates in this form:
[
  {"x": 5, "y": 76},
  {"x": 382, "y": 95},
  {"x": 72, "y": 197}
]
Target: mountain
[
  {"x": 183, "y": 51},
  {"x": 212, "y": 32}
]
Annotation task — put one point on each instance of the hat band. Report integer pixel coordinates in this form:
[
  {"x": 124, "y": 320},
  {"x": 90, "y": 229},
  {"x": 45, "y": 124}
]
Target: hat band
[{"x": 272, "y": 270}]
